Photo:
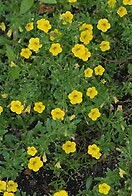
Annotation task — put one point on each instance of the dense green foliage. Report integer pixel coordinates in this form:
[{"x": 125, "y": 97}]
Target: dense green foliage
[{"x": 50, "y": 79}]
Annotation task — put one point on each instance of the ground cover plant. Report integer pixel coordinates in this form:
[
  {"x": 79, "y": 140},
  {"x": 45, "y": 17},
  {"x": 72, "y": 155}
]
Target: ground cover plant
[{"x": 65, "y": 97}]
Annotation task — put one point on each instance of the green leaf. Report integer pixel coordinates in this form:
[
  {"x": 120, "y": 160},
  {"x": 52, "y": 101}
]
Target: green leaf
[
  {"x": 10, "y": 53},
  {"x": 26, "y": 5},
  {"x": 10, "y": 139},
  {"x": 14, "y": 72},
  {"x": 88, "y": 182},
  {"x": 2, "y": 132},
  {"x": 130, "y": 69},
  {"x": 48, "y": 1}
]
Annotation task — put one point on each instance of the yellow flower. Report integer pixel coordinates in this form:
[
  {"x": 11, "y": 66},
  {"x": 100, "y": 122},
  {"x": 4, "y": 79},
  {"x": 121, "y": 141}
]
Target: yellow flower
[
  {"x": 127, "y": 2},
  {"x": 94, "y": 114},
  {"x": 39, "y": 107},
  {"x": 55, "y": 49},
  {"x": 31, "y": 150},
  {"x": 122, "y": 11},
  {"x": 86, "y": 37},
  {"x": 1, "y": 109},
  {"x": 67, "y": 17},
  {"x": 2, "y": 185},
  {"x": 86, "y": 55},
  {"x": 12, "y": 186},
  {"x": 2, "y": 26},
  {"x": 61, "y": 193},
  {"x": 54, "y": 34},
  {"x": 75, "y": 97},
  {"x": 111, "y": 3},
  {"x": 57, "y": 113},
  {"x": 91, "y": 92},
  {"x": 72, "y": 1},
  {"x": 104, "y": 188},
  {"x": 105, "y": 45},
  {"x": 69, "y": 147},
  {"x": 87, "y": 27},
  {"x": 16, "y": 107},
  {"x": 26, "y": 53},
  {"x": 99, "y": 70},
  {"x": 35, "y": 163},
  {"x": 78, "y": 50},
  {"x": 29, "y": 26},
  {"x": 88, "y": 73},
  {"x": 44, "y": 25},
  {"x": 103, "y": 25},
  {"x": 94, "y": 151},
  {"x": 121, "y": 172},
  {"x": 8, "y": 194},
  {"x": 34, "y": 44}
]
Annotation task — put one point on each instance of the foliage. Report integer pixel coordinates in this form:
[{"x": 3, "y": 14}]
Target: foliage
[{"x": 60, "y": 101}]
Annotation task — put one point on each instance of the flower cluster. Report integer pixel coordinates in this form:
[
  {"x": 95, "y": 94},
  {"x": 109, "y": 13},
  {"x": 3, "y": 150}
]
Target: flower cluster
[
  {"x": 87, "y": 33},
  {"x": 80, "y": 51},
  {"x": 8, "y": 188},
  {"x": 34, "y": 42},
  {"x": 18, "y": 108},
  {"x": 98, "y": 70},
  {"x": 121, "y": 11},
  {"x": 34, "y": 163}
]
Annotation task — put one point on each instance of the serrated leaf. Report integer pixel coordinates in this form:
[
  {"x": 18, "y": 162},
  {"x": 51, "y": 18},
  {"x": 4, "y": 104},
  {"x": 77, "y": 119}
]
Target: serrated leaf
[
  {"x": 48, "y": 1},
  {"x": 26, "y": 5}
]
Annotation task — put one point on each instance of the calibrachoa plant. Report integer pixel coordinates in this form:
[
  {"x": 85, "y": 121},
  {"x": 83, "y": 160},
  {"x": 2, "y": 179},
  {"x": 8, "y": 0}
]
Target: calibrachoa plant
[{"x": 65, "y": 98}]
